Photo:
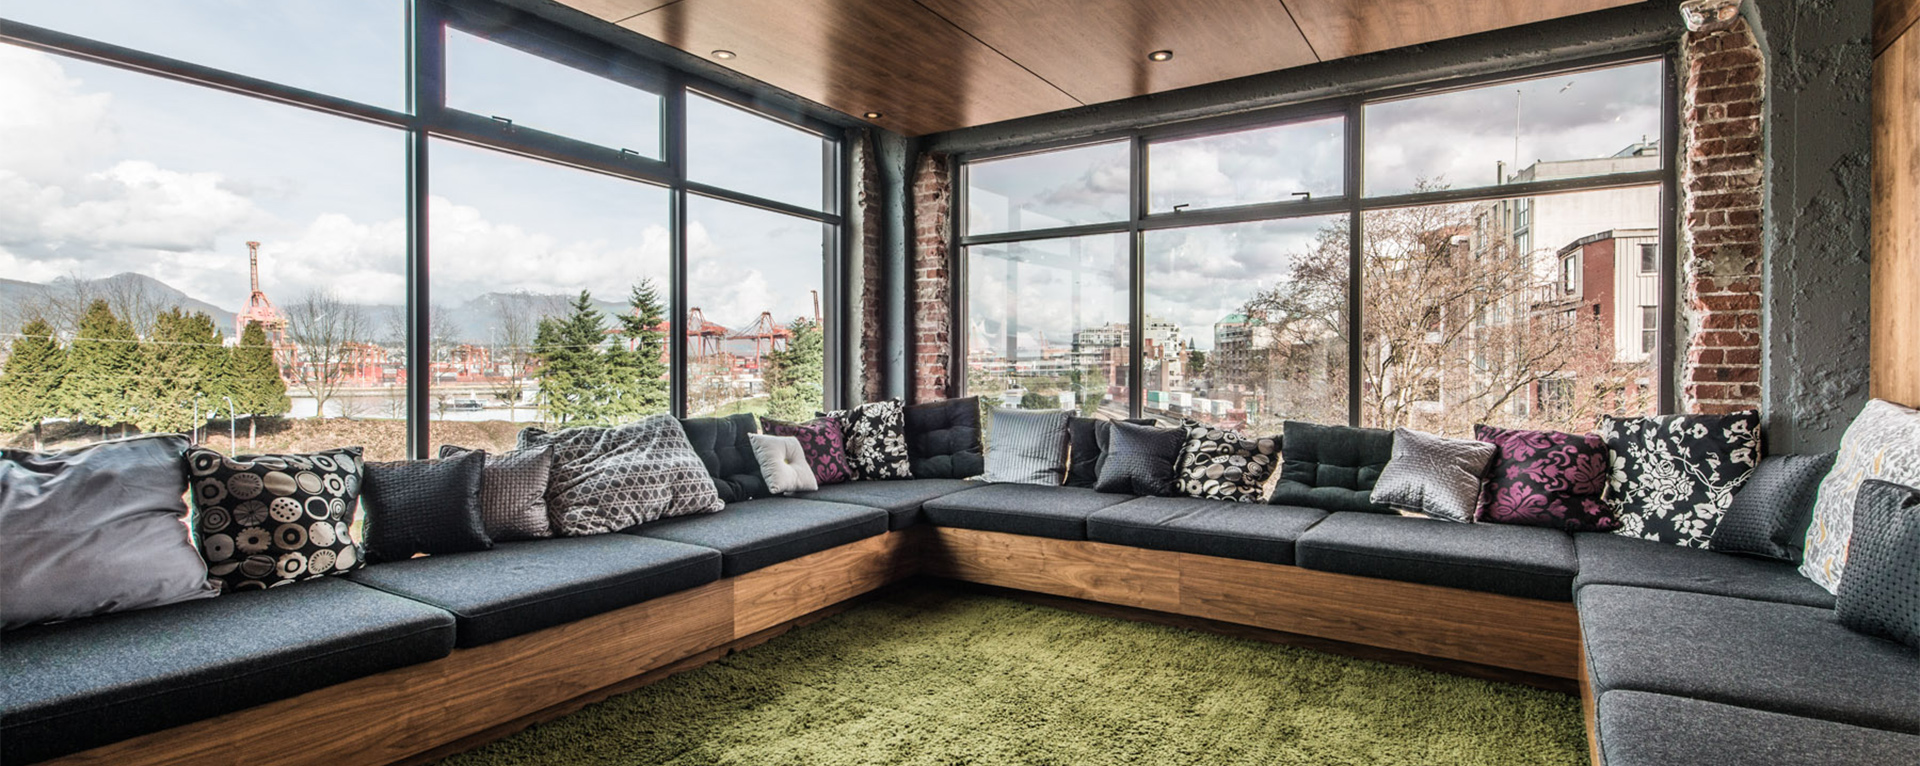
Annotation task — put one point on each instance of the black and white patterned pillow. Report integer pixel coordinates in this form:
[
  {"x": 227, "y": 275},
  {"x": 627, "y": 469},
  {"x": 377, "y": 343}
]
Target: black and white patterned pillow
[
  {"x": 1672, "y": 477},
  {"x": 513, "y": 493},
  {"x": 1218, "y": 464},
  {"x": 608, "y": 479},
  {"x": 263, "y": 521},
  {"x": 876, "y": 434}
]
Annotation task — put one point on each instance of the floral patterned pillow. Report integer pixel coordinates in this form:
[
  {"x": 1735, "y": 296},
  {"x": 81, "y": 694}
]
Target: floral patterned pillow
[
  {"x": 876, "y": 434},
  {"x": 1671, "y": 477},
  {"x": 1545, "y": 479},
  {"x": 822, "y": 441}
]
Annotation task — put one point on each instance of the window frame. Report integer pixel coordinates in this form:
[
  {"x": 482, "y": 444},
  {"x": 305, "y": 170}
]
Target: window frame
[
  {"x": 1352, "y": 201},
  {"x": 426, "y": 117}
]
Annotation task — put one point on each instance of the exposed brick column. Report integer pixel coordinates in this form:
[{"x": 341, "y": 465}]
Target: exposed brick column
[
  {"x": 931, "y": 316},
  {"x": 1722, "y": 179}
]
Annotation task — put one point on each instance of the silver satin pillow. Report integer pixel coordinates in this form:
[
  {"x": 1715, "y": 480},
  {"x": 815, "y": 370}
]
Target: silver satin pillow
[
  {"x": 95, "y": 530},
  {"x": 1433, "y": 476},
  {"x": 1026, "y": 446}
]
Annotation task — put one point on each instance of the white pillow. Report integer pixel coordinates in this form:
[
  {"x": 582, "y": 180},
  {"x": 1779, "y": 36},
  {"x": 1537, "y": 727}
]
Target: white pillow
[
  {"x": 783, "y": 464},
  {"x": 1882, "y": 443}
]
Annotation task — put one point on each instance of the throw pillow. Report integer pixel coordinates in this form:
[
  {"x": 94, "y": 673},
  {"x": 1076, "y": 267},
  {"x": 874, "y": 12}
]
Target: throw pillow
[
  {"x": 1433, "y": 476},
  {"x": 1880, "y": 589},
  {"x": 513, "y": 493},
  {"x": 96, "y": 530},
  {"x": 1769, "y": 515},
  {"x": 1087, "y": 439},
  {"x": 876, "y": 434},
  {"x": 1140, "y": 461},
  {"x": 1218, "y": 464},
  {"x": 1026, "y": 446},
  {"x": 825, "y": 446},
  {"x": 783, "y": 464},
  {"x": 266, "y": 520},
  {"x": 608, "y": 479},
  {"x": 943, "y": 439},
  {"x": 724, "y": 449},
  {"x": 1332, "y": 468},
  {"x": 1546, "y": 479},
  {"x": 1672, "y": 477},
  {"x": 1882, "y": 443},
  {"x": 423, "y": 506}
]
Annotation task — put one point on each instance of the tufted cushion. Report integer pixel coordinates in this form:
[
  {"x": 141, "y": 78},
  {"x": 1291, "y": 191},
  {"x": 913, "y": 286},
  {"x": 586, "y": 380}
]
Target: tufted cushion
[
  {"x": 423, "y": 506},
  {"x": 1332, "y": 468},
  {"x": 943, "y": 439},
  {"x": 783, "y": 464},
  {"x": 722, "y": 445}
]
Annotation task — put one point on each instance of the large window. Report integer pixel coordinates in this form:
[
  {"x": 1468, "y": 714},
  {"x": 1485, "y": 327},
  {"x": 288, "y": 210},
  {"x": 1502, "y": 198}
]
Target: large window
[
  {"x": 392, "y": 224},
  {"x": 1498, "y": 245},
  {"x": 1047, "y": 324}
]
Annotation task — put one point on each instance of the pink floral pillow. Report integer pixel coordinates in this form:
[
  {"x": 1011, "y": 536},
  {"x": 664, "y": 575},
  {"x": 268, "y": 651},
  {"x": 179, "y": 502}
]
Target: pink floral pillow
[
  {"x": 1546, "y": 479},
  {"x": 822, "y": 441}
]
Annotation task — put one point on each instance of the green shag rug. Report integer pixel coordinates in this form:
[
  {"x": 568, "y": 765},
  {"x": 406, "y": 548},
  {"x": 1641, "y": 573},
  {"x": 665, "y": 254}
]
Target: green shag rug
[{"x": 939, "y": 676}]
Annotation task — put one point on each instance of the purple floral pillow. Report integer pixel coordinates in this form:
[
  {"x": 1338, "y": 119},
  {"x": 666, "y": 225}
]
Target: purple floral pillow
[
  {"x": 1546, "y": 479},
  {"x": 822, "y": 441}
]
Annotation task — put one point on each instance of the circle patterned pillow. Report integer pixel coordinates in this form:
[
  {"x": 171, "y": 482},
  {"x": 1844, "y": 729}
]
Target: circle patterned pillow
[
  {"x": 1218, "y": 464},
  {"x": 262, "y": 521}
]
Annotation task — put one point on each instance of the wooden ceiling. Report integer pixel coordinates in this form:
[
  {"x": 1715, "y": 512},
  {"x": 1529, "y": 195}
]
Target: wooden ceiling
[{"x": 934, "y": 65}]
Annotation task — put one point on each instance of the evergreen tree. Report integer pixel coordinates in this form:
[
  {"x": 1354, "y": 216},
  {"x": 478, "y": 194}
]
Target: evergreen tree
[
  {"x": 182, "y": 366},
  {"x": 253, "y": 379},
  {"x": 30, "y": 382},
  {"x": 573, "y": 370},
  {"x": 640, "y": 368},
  {"x": 102, "y": 363},
  {"x": 794, "y": 375}
]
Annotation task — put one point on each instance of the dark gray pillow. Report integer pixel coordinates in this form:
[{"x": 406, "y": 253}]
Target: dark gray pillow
[
  {"x": 96, "y": 530},
  {"x": 1087, "y": 439},
  {"x": 608, "y": 479},
  {"x": 1434, "y": 476},
  {"x": 1026, "y": 446},
  {"x": 1770, "y": 514},
  {"x": 1139, "y": 460},
  {"x": 1880, "y": 588},
  {"x": 1332, "y": 468},
  {"x": 513, "y": 493},
  {"x": 423, "y": 506},
  {"x": 943, "y": 439},
  {"x": 725, "y": 450}
]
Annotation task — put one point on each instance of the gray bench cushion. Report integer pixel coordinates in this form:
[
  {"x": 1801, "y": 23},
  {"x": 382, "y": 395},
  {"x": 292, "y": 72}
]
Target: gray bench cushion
[
  {"x": 521, "y": 587},
  {"x": 901, "y": 499},
  {"x": 1022, "y": 509},
  {"x": 82, "y": 684},
  {"x": 1781, "y": 658},
  {"x": 1252, "y": 531},
  {"x": 764, "y": 532},
  {"x": 1609, "y": 559},
  {"x": 1529, "y": 562},
  {"x": 1642, "y": 729}
]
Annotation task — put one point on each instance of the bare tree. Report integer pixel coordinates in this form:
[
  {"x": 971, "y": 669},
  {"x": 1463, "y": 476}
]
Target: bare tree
[
  {"x": 514, "y": 320},
  {"x": 327, "y": 334}
]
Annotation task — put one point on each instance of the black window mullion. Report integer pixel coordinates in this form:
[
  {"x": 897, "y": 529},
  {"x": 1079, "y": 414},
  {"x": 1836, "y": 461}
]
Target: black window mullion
[
  {"x": 1136, "y": 277},
  {"x": 426, "y": 93},
  {"x": 1355, "y": 190},
  {"x": 675, "y": 115}
]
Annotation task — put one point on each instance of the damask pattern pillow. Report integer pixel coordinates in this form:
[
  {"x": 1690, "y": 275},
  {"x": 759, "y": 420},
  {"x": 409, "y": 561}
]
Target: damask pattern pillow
[
  {"x": 1218, "y": 464},
  {"x": 876, "y": 434},
  {"x": 1882, "y": 443},
  {"x": 1671, "y": 477},
  {"x": 513, "y": 493},
  {"x": 608, "y": 479},
  {"x": 1433, "y": 476},
  {"x": 1546, "y": 479},
  {"x": 267, "y": 520},
  {"x": 825, "y": 446}
]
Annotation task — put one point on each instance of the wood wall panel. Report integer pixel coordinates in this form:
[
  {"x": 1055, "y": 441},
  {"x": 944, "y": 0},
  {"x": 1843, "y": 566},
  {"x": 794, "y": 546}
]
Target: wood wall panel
[
  {"x": 1895, "y": 336},
  {"x": 1339, "y": 28},
  {"x": 1892, "y": 18},
  {"x": 615, "y": 10}
]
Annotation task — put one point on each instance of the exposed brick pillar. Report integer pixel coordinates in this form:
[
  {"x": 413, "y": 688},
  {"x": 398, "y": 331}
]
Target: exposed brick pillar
[
  {"x": 932, "y": 317},
  {"x": 872, "y": 275},
  {"x": 1722, "y": 179}
]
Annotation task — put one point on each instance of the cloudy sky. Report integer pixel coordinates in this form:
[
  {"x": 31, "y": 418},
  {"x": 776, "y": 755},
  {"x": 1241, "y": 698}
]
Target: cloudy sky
[{"x": 104, "y": 171}]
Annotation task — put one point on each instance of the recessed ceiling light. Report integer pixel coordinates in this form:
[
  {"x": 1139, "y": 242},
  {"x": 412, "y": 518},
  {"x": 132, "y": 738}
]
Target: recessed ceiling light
[
  {"x": 874, "y": 115},
  {"x": 724, "y": 54},
  {"x": 1160, "y": 56}
]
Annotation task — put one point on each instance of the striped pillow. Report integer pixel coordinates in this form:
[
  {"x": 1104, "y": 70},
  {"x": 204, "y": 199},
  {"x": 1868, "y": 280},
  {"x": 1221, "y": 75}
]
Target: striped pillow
[{"x": 1026, "y": 446}]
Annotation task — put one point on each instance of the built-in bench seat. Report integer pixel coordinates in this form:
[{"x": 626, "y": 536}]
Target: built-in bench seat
[
  {"x": 1646, "y": 729},
  {"x": 1525, "y": 562},
  {"x": 1207, "y": 527},
  {"x": 763, "y": 532},
  {"x": 1021, "y": 509},
  {"x": 1609, "y": 559},
  {"x": 900, "y": 498}
]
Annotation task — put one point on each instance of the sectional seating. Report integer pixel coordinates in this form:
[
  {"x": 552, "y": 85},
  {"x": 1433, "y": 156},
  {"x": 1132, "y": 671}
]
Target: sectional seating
[
  {"x": 1526, "y": 562},
  {"x": 1608, "y": 559},
  {"x": 901, "y": 499},
  {"x": 1662, "y": 730},
  {"x": 1021, "y": 509},
  {"x": 764, "y": 532},
  {"x": 1206, "y": 527}
]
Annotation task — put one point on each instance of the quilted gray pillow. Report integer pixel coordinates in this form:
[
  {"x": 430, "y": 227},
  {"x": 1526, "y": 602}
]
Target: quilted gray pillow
[
  {"x": 1433, "y": 476},
  {"x": 1880, "y": 589},
  {"x": 608, "y": 479},
  {"x": 513, "y": 492}
]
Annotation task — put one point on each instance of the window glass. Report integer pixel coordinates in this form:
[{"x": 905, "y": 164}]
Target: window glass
[
  {"x": 1246, "y": 323},
  {"x": 353, "y": 49},
  {"x": 1047, "y": 325},
  {"x": 1086, "y": 184},
  {"x": 149, "y": 223},
  {"x": 1299, "y": 161},
  {"x": 755, "y": 331},
  {"x": 494, "y": 80},
  {"x": 1464, "y": 321},
  {"x": 738, "y": 150},
  {"x": 550, "y": 291},
  {"x": 1565, "y": 126}
]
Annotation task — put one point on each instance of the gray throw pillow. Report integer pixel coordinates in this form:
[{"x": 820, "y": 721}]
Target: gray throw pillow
[
  {"x": 1880, "y": 589},
  {"x": 1026, "y": 446},
  {"x": 608, "y": 479},
  {"x": 1434, "y": 476},
  {"x": 513, "y": 493},
  {"x": 96, "y": 530},
  {"x": 1769, "y": 515},
  {"x": 1139, "y": 461}
]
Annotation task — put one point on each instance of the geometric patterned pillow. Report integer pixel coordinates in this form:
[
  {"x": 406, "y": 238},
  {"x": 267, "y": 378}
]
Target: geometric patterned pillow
[
  {"x": 607, "y": 479},
  {"x": 1882, "y": 443},
  {"x": 1218, "y": 464},
  {"x": 1673, "y": 476},
  {"x": 876, "y": 434},
  {"x": 267, "y": 520}
]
